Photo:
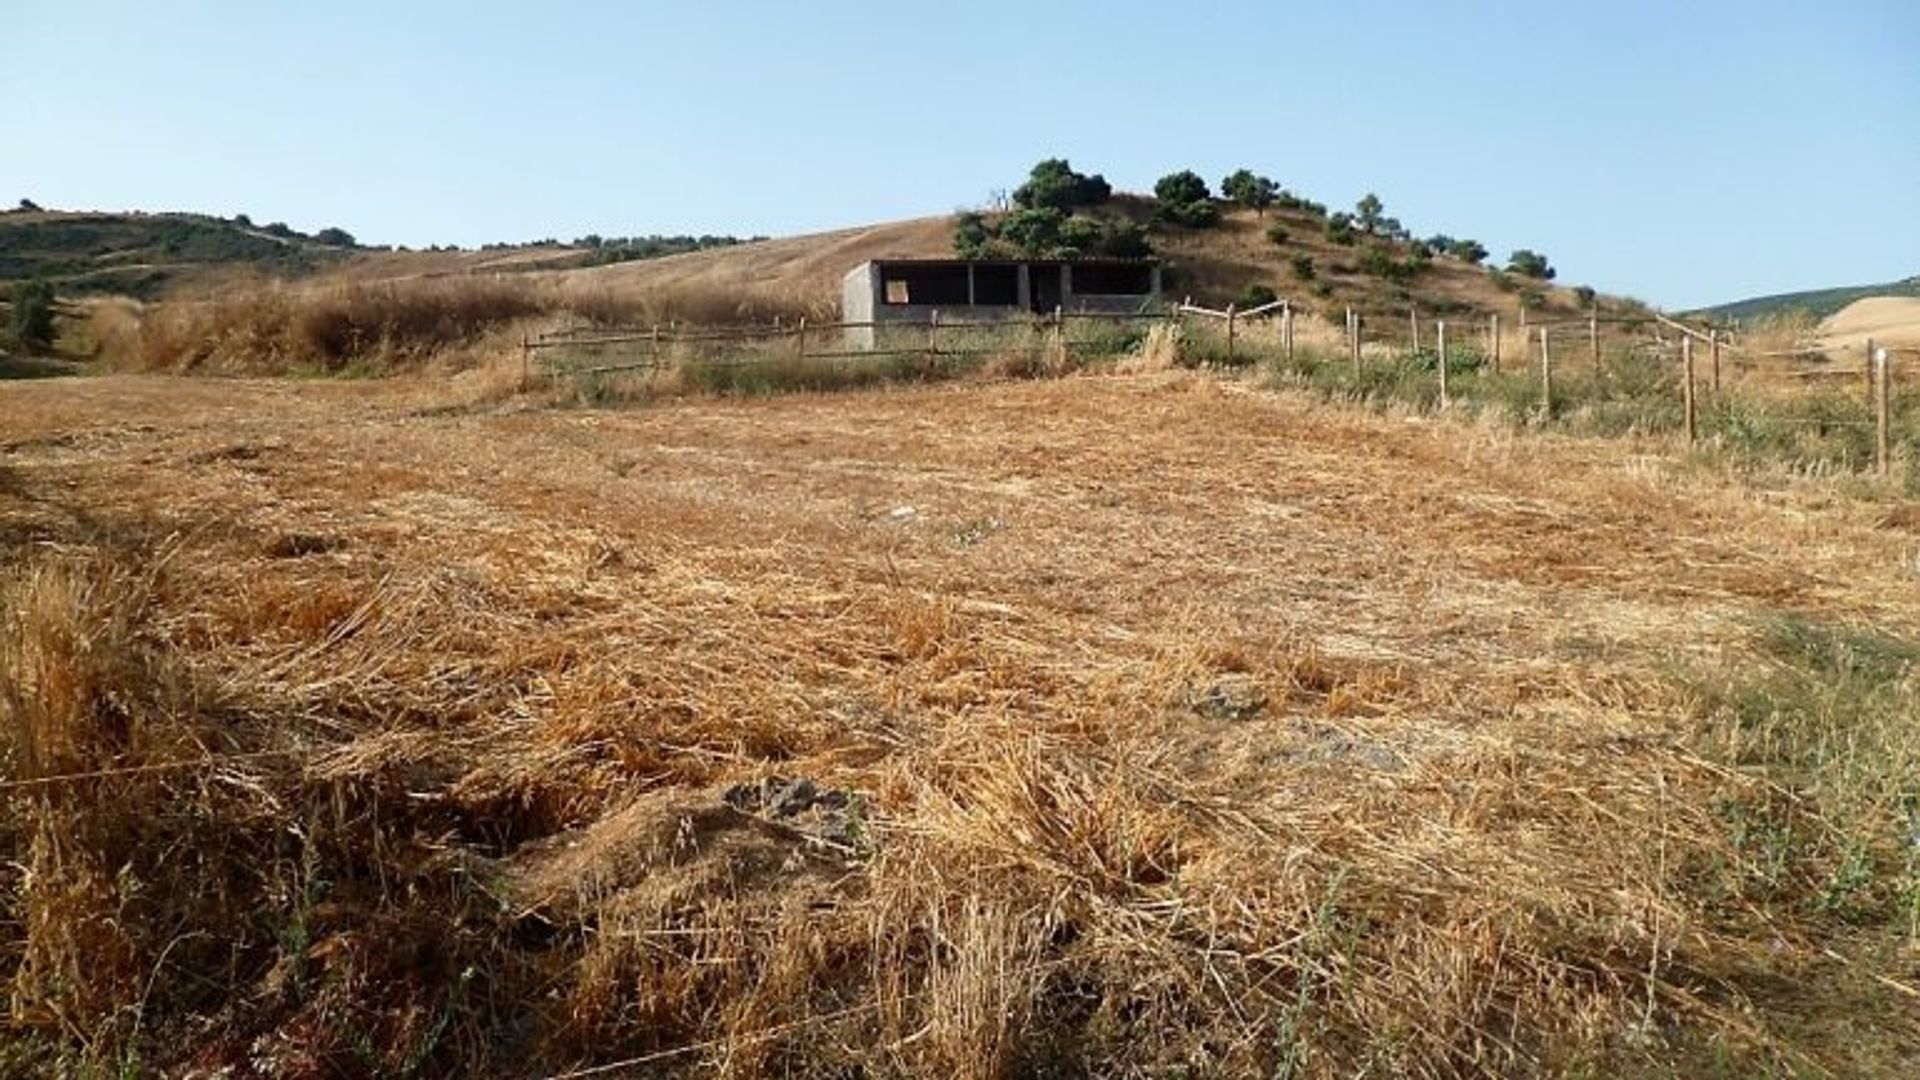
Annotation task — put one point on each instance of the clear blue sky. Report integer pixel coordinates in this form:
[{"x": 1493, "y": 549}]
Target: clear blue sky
[{"x": 1684, "y": 152}]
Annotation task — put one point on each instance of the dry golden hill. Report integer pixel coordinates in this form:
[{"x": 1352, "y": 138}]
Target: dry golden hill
[
  {"x": 1889, "y": 320},
  {"x": 1210, "y": 265}
]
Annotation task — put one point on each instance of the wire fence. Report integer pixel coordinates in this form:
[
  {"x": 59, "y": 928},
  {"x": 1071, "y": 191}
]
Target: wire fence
[{"x": 1620, "y": 370}]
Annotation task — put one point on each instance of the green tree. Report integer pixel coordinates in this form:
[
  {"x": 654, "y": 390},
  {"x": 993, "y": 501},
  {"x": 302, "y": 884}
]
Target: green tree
[
  {"x": 1531, "y": 264},
  {"x": 338, "y": 238},
  {"x": 1367, "y": 212},
  {"x": 1585, "y": 295},
  {"x": 1250, "y": 190},
  {"x": 1340, "y": 229},
  {"x": 971, "y": 235},
  {"x": 1472, "y": 252},
  {"x": 1302, "y": 264},
  {"x": 1054, "y": 185},
  {"x": 1033, "y": 231},
  {"x": 33, "y": 316},
  {"x": 1277, "y": 234},
  {"x": 1181, "y": 189}
]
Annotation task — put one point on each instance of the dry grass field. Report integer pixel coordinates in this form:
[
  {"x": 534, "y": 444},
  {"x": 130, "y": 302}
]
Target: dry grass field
[{"x": 1108, "y": 725}]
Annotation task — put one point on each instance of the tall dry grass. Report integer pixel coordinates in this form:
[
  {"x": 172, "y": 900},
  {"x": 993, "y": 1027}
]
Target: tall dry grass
[{"x": 405, "y": 324}]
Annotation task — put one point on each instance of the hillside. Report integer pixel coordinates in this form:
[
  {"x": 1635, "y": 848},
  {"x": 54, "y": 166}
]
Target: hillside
[
  {"x": 149, "y": 256},
  {"x": 146, "y": 255},
  {"x": 1212, "y": 265},
  {"x": 1886, "y": 320},
  {"x": 1816, "y": 303}
]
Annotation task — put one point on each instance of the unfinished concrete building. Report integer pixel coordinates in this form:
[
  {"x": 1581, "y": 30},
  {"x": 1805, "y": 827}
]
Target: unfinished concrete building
[{"x": 908, "y": 291}]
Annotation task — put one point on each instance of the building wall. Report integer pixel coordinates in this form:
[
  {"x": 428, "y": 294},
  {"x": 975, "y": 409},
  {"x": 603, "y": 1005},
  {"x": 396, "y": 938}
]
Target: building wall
[
  {"x": 859, "y": 299},
  {"x": 862, "y": 301}
]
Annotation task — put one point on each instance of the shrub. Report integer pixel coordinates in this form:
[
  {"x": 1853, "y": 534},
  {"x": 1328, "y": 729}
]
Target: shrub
[
  {"x": 1585, "y": 295},
  {"x": 1340, "y": 229},
  {"x": 1194, "y": 215},
  {"x": 1502, "y": 280},
  {"x": 1033, "y": 231},
  {"x": 1124, "y": 240},
  {"x": 1255, "y": 295},
  {"x": 1302, "y": 265},
  {"x": 333, "y": 237},
  {"x": 971, "y": 236},
  {"x": 1531, "y": 264},
  {"x": 1250, "y": 190},
  {"x": 32, "y": 321},
  {"x": 1277, "y": 234},
  {"x": 1439, "y": 243}
]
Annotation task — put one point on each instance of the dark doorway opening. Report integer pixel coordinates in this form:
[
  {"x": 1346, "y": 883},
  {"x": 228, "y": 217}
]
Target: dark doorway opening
[{"x": 1045, "y": 282}]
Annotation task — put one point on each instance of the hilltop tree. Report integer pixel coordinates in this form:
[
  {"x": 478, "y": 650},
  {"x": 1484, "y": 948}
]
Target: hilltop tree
[
  {"x": 1528, "y": 263},
  {"x": 33, "y": 316},
  {"x": 1181, "y": 189},
  {"x": 1252, "y": 191},
  {"x": 28, "y": 206},
  {"x": 1185, "y": 200},
  {"x": 1471, "y": 252},
  {"x": 1340, "y": 229},
  {"x": 1053, "y": 185},
  {"x": 333, "y": 237},
  {"x": 1367, "y": 212}
]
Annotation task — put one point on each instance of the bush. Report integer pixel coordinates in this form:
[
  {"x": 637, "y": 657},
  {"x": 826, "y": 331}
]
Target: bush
[
  {"x": 971, "y": 236},
  {"x": 1194, "y": 215},
  {"x": 1585, "y": 295},
  {"x": 1302, "y": 265},
  {"x": 1255, "y": 295},
  {"x": 1340, "y": 229},
  {"x": 32, "y": 321},
  {"x": 1531, "y": 264},
  {"x": 1033, "y": 231},
  {"x": 1277, "y": 234}
]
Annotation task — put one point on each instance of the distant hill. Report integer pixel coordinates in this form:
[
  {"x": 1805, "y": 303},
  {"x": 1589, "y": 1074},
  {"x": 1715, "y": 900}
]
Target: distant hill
[
  {"x": 1293, "y": 249},
  {"x": 144, "y": 255},
  {"x": 1817, "y": 303}
]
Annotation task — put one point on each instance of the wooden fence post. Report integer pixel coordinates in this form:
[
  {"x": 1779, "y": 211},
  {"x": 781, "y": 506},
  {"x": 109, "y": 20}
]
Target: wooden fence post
[
  {"x": 1353, "y": 337},
  {"x": 1493, "y": 341},
  {"x": 1232, "y": 316},
  {"x": 1440, "y": 344},
  {"x": 1713, "y": 342},
  {"x": 1413, "y": 324},
  {"x": 800, "y": 337},
  {"x": 933, "y": 333},
  {"x": 1593, "y": 339},
  {"x": 1286, "y": 330},
  {"x": 1546, "y": 376},
  {"x": 1883, "y": 385},
  {"x": 1688, "y": 402},
  {"x": 1060, "y": 335},
  {"x": 1870, "y": 387}
]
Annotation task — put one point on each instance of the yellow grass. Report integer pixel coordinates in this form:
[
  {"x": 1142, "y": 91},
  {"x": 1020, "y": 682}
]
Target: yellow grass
[{"x": 1170, "y": 727}]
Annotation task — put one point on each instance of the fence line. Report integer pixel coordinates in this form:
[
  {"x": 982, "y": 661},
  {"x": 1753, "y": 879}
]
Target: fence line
[{"x": 1049, "y": 331}]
